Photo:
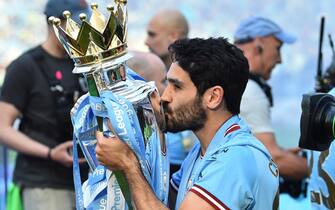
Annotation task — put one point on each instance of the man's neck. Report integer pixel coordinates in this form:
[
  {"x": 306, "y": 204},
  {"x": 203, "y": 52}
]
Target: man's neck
[
  {"x": 214, "y": 122},
  {"x": 167, "y": 61},
  {"x": 255, "y": 72}
]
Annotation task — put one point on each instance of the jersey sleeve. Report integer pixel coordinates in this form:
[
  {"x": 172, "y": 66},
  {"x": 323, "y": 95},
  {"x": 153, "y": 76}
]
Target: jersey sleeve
[
  {"x": 225, "y": 185},
  {"x": 255, "y": 109},
  {"x": 16, "y": 86}
]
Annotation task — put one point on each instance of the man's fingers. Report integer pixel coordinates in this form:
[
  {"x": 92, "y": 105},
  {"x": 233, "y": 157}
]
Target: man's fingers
[
  {"x": 294, "y": 150},
  {"x": 81, "y": 160},
  {"x": 68, "y": 157},
  {"x": 67, "y": 144},
  {"x": 97, "y": 150},
  {"x": 100, "y": 160},
  {"x": 102, "y": 163},
  {"x": 99, "y": 135},
  {"x": 67, "y": 161},
  {"x": 102, "y": 139}
]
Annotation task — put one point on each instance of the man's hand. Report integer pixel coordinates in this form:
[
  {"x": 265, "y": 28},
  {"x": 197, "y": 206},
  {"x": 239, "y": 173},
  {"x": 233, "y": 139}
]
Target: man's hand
[
  {"x": 117, "y": 155},
  {"x": 113, "y": 153},
  {"x": 61, "y": 154},
  {"x": 294, "y": 150}
]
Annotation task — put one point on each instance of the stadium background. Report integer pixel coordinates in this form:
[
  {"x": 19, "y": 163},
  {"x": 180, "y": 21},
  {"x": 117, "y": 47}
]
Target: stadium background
[{"x": 22, "y": 25}]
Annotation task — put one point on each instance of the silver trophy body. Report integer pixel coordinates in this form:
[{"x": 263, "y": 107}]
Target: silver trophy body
[{"x": 143, "y": 96}]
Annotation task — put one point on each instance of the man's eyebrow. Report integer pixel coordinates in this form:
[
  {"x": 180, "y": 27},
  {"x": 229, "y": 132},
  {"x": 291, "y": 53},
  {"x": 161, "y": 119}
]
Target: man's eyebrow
[{"x": 175, "y": 82}]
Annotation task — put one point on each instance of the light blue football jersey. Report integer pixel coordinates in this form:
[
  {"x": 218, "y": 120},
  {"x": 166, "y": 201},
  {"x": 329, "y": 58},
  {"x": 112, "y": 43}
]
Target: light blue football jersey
[
  {"x": 179, "y": 144},
  {"x": 236, "y": 172}
]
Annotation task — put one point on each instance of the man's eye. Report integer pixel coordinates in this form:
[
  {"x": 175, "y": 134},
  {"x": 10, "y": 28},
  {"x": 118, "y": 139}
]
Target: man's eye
[
  {"x": 151, "y": 34},
  {"x": 164, "y": 81}
]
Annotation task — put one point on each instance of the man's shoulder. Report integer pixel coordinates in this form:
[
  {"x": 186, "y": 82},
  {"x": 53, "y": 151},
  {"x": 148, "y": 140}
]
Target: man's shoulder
[
  {"x": 25, "y": 58},
  {"x": 255, "y": 108},
  {"x": 253, "y": 90},
  {"x": 35, "y": 51},
  {"x": 233, "y": 163},
  {"x": 242, "y": 145},
  {"x": 235, "y": 152}
]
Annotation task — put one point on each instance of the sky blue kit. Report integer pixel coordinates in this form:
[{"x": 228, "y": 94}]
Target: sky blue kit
[
  {"x": 179, "y": 144},
  {"x": 236, "y": 172}
]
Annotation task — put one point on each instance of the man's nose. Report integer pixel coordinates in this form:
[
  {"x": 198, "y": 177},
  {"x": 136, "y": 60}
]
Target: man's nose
[
  {"x": 279, "y": 60},
  {"x": 166, "y": 95},
  {"x": 146, "y": 42}
]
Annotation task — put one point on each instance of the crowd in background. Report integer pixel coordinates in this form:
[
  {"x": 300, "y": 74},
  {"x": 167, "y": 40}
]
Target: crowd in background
[{"x": 298, "y": 60}]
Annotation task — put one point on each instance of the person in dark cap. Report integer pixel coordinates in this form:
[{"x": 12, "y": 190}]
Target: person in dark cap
[
  {"x": 57, "y": 7},
  {"x": 261, "y": 40},
  {"x": 40, "y": 89}
]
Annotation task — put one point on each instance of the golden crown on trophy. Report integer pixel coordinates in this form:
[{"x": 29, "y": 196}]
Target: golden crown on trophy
[{"x": 96, "y": 40}]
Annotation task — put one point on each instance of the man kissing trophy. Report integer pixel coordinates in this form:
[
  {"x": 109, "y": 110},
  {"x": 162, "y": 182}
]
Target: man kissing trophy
[{"x": 119, "y": 103}]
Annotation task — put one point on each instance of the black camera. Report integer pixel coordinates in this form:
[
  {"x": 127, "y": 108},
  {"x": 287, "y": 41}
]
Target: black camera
[{"x": 317, "y": 122}]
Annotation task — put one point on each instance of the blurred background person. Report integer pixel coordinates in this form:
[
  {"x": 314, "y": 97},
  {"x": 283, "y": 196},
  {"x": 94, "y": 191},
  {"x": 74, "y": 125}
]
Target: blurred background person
[
  {"x": 40, "y": 89},
  {"x": 150, "y": 67},
  {"x": 2, "y": 74},
  {"x": 261, "y": 40},
  {"x": 164, "y": 28}
]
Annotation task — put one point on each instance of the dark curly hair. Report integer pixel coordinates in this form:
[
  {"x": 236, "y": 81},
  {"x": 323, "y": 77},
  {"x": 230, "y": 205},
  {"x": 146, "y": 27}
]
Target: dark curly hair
[{"x": 211, "y": 62}]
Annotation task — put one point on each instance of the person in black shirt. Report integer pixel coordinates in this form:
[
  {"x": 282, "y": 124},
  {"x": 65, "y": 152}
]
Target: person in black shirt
[{"x": 40, "y": 89}]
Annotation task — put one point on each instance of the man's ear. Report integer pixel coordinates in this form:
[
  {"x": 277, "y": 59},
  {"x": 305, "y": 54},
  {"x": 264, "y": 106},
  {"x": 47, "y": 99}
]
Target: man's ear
[
  {"x": 173, "y": 36},
  {"x": 213, "y": 97},
  {"x": 259, "y": 43}
]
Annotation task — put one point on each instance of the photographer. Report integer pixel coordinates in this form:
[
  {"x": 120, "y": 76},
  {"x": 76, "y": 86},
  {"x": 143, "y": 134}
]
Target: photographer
[{"x": 261, "y": 40}]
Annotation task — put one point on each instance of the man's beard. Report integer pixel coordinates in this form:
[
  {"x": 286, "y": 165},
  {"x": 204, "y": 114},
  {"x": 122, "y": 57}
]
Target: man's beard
[{"x": 190, "y": 116}]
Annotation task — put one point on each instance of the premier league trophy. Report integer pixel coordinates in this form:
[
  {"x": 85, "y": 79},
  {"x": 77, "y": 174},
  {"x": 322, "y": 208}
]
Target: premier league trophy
[{"x": 118, "y": 104}]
